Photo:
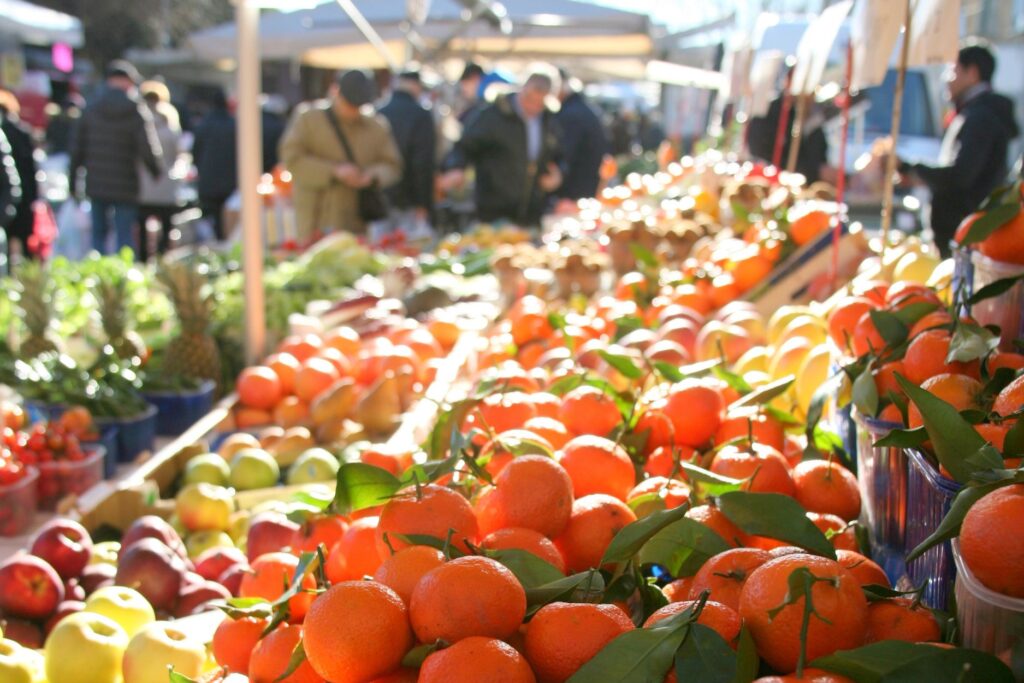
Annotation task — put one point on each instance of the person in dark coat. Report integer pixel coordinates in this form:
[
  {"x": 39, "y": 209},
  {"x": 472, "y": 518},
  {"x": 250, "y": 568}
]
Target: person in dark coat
[
  {"x": 470, "y": 87},
  {"x": 412, "y": 126},
  {"x": 273, "y": 126},
  {"x": 811, "y": 157},
  {"x": 513, "y": 145},
  {"x": 583, "y": 142},
  {"x": 19, "y": 136},
  {"x": 10, "y": 192},
  {"x": 115, "y": 134},
  {"x": 973, "y": 159},
  {"x": 214, "y": 154}
]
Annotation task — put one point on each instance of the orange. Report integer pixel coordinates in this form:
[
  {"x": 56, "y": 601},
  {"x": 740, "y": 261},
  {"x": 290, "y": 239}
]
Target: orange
[
  {"x": 1006, "y": 243},
  {"x": 885, "y": 378},
  {"x": 842, "y": 321},
  {"x": 714, "y": 519},
  {"x": 1010, "y": 399},
  {"x": 633, "y": 286},
  {"x": 271, "y": 656},
  {"x": 810, "y": 676},
  {"x": 429, "y": 510},
  {"x": 993, "y": 434},
  {"x": 550, "y": 429},
  {"x": 670, "y": 493},
  {"x": 387, "y": 457},
  {"x": 595, "y": 520},
  {"x": 750, "y": 268},
  {"x": 511, "y": 375},
  {"x": 340, "y": 361},
  {"x": 725, "y": 573},
  {"x": 695, "y": 410},
  {"x": 499, "y": 451},
  {"x": 285, "y": 366},
  {"x": 598, "y": 465},
  {"x": 477, "y": 659},
  {"x": 314, "y": 377},
  {"x": 841, "y": 533},
  {"x": 935, "y": 319},
  {"x": 865, "y": 570},
  {"x": 806, "y": 223},
  {"x": 840, "y": 618},
  {"x": 825, "y": 486},
  {"x": 678, "y": 590},
  {"x": 588, "y": 410},
  {"x": 292, "y": 411},
  {"x": 403, "y": 570},
  {"x": 446, "y": 332},
  {"x": 871, "y": 289},
  {"x": 725, "y": 289},
  {"x": 721, "y": 618},
  {"x": 533, "y": 492},
  {"x": 655, "y": 427},
  {"x": 747, "y": 423},
  {"x": 905, "y": 293},
  {"x": 991, "y": 543},
  {"x": 1005, "y": 359},
  {"x": 356, "y": 631},
  {"x": 926, "y": 358},
  {"x": 302, "y": 347},
  {"x": 763, "y": 468},
  {"x": 403, "y": 675},
  {"x": 960, "y": 391},
  {"x": 355, "y": 555},
  {"x": 324, "y": 529},
  {"x": 271, "y": 574},
  {"x": 259, "y": 387},
  {"x": 468, "y": 596},
  {"x": 562, "y": 637},
  {"x": 234, "y": 641},
  {"x": 866, "y": 337},
  {"x": 344, "y": 339},
  {"x": 547, "y": 405},
  {"x": 664, "y": 461},
  {"x": 501, "y": 412},
  {"x": 901, "y": 619},
  {"x": 529, "y": 540}
]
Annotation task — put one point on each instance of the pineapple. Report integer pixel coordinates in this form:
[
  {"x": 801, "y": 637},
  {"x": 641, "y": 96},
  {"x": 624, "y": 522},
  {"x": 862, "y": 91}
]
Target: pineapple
[
  {"x": 111, "y": 294},
  {"x": 35, "y": 299},
  {"x": 193, "y": 352}
]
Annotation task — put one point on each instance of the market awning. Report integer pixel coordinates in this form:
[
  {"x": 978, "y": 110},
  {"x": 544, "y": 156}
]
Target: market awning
[{"x": 37, "y": 25}]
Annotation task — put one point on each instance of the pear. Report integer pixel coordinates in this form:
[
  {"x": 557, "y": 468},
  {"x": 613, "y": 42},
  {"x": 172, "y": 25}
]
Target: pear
[
  {"x": 291, "y": 445},
  {"x": 335, "y": 404},
  {"x": 378, "y": 410}
]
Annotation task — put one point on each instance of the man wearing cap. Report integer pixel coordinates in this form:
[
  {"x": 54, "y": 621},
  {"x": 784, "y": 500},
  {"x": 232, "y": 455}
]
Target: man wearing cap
[
  {"x": 326, "y": 178},
  {"x": 471, "y": 89},
  {"x": 114, "y": 136},
  {"x": 412, "y": 198}
]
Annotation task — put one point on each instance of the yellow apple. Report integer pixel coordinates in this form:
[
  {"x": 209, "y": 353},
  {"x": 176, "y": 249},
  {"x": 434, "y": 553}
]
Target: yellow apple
[
  {"x": 203, "y": 506},
  {"x": 105, "y": 553},
  {"x": 158, "y": 646},
  {"x": 125, "y": 606},
  {"x": 19, "y": 664},
  {"x": 85, "y": 647}
]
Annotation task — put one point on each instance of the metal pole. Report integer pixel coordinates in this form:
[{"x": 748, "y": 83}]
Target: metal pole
[
  {"x": 897, "y": 113},
  {"x": 844, "y": 135},
  {"x": 249, "y": 145},
  {"x": 368, "y": 32}
]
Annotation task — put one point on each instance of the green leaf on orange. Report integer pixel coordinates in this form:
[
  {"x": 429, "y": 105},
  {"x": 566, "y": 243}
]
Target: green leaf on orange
[
  {"x": 682, "y": 547},
  {"x": 775, "y": 516},
  {"x": 362, "y": 486},
  {"x": 531, "y": 570},
  {"x": 705, "y": 656},
  {"x": 632, "y": 537}
]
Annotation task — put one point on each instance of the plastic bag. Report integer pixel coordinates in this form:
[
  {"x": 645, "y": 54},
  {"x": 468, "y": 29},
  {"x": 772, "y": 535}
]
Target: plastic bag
[{"x": 74, "y": 230}]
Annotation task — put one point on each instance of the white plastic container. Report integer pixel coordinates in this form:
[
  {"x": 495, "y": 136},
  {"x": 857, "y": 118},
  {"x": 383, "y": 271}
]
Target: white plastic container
[
  {"x": 1005, "y": 310},
  {"x": 989, "y": 621}
]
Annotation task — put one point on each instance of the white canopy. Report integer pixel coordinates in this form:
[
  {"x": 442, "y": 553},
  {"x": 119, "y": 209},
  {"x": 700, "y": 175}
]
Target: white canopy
[
  {"x": 324, "y": 36},
  {"x": 37, "y": 25}
]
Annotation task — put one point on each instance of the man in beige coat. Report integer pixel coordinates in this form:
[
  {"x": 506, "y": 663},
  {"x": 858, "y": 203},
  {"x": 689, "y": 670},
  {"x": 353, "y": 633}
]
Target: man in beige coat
[{"x": 326, "y": 182}]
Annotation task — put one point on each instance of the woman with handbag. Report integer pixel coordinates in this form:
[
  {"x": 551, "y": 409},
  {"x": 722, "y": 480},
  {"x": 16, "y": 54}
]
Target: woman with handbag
[{"x": 340, "y": 160}]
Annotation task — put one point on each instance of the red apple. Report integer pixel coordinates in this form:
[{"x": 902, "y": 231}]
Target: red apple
[
  {"x": 213, "y": 562},
  {"x": 151, "y": 526},
  {"x": 192, "y": 579},
  {"x": 682, "y": 331},
  {"x": 232, "y": 577},
  {"x": 154, "y": 570},
  {"x": 270, "y": 532},
  {"x": 95, "y": 576},
  {"x": 196, "y": 596},
  {"x": 65, "y": 544},
  {"x": 73, "y": 590},
  {"x": 23, "y": 632},
  {"x": 29, "y": 587},
  {"x": 63, "y": 609}
]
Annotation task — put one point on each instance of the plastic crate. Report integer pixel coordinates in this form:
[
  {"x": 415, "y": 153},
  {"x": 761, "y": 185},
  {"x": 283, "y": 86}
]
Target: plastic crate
[
  {"x": 988, "y": 621},
  {"x": 18, "y": 504},
  {"x": 1006, "y": 310},
  {"x": 963, "y": 277},
  {"x": 177, "y": 411},
  {"x": 929, "y": 495},
  {"x": 61, "y": 478},
  {"x": 135, "y": 435},
  {"x": 882, "y": 478}
]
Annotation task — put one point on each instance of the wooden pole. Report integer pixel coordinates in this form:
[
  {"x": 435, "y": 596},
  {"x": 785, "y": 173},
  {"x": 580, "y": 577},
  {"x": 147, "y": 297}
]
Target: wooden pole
[
  {"x": 802, "y": 104},
  {"x": 897, "y": 113},
  {"x": 780, "y": 129},
  {"x": 844, "y": 135}
]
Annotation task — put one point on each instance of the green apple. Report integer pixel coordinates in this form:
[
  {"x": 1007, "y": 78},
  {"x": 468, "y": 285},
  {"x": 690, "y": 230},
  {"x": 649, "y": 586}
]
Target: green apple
[
  {"x": 158, "y": 646},
  {"x": 105, "y": 553},
  {"x": 315, "y": 464},
  {"x": 209, "y": 468},
  {"x": 238, "y": 528},
  {"x": 125, "y": 606},
  {"x": 253, "y": 468},
  {"x": 19, "y": 664},
  {"x": 204, "y": 506},
  {"x": 202, "y": 541},
  {"x": 85, "y": 647}
]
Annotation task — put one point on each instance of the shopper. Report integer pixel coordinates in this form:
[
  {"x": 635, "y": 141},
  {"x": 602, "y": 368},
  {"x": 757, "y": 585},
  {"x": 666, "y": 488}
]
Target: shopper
[
  {"x": 214, "y": 154},
  {"x": 412, "y": 124},
  {"x": 115, "y": 135},
  {"x": 158, "y": 196},
  {"x": 583, "y": 141},
  {"x": 471, "y": 89},
  {"x": 513, "y": 146},
  {"x": 10, "y": 194},
  {"x": 328, "y": 180},
  {"x": 273, "y": 108},
  {"x": 19, "y": 136},
  {"x": 812, "y": 155},
  {"x": 973, "y": 158}
]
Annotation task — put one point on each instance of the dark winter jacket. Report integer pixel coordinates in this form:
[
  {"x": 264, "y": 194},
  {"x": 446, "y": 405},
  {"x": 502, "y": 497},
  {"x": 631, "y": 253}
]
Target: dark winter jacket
[
  {"x": 413, "y": 128},
  {"x": 214, "y": 154},
  {"x": 506, "y": 181},
  {"x": 10, "y": 183},
  {"x": 115, "y": 133},
  {"x": 813, "y": 152},
  {"x": 583, "y": 147},
  {"x": 273, "y": 129},
  {"x": 22, "y": 149},
  {"x": 973, "y": 162}
]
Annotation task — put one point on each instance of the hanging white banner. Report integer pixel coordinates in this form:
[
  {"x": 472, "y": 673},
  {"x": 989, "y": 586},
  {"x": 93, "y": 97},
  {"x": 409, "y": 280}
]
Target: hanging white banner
[
  {"x": 935, "y": 31},
  {"x": 874, "y": 30},
  {"x": 815, "y": 47}
]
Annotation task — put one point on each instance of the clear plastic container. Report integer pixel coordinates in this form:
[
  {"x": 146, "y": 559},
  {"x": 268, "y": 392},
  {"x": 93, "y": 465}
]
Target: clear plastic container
[
  {"x": 18, "y": 504},
  {"x": 59, "y": 479},
  {"x": 989, "y": 621},
  {"x": 882, "y": 478},
  {"x": 1005, "y": 310},
  {"x": 929, "y": 495}
]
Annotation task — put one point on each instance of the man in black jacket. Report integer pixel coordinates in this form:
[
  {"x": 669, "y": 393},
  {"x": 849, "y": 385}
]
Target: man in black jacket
[
  {"x": 19, "y": 136},
  {"x": 10, "y": 193},
  {"x": 583, "y": 142},
  {"x": 972, "y": 161},
  {"x": 214, "y": 154},
  {"x": 115, "y": 134},
  {"x": 513, "y": 145},
  {"x": 412, "y": 126}
]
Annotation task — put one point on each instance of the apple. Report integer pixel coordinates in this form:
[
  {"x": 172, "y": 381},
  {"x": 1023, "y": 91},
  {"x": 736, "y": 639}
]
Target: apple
[
  {"x": 73, "y": 590},
  {"x": 216, "y": 561},
  {"x": 161, "y": 645},
  {"x": 96, "y": 576},
  {"x": 29, "y": 587},
  {"x": 125, "y": 606},
  {"x": 154, "y": 570},
  {"x": 19, "y": 664},
  {"x": 270, "y": 532},
  {"x": 315, "y": 464},
  {"x": 201, "y": 541},
  {"x": 253, "y": 468},
  {"x": 24, "y": 632},
  {"x": 196, "y": 596},
  {"x": 151, "y": 526},
  {"x": 231, "y": 578},
  {"x": 717, "y": 339},
  {"x": 209, "y": 468},
  {"x": 105, "y": 552},
  {"x": 192, "y": 579},
  {"x": 204, "y": 506},
  {"x": 85, "y": 648},
  {"x": 682, "y": 331},
  {"x": 63, "y": 609},
  {"x": 65, "y": 544}
]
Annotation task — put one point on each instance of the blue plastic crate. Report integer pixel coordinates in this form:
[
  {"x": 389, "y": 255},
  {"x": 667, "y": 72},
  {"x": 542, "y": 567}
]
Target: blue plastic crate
[
  {"x": 882, "y": 479},
  {"x": 929, "y": 496},
  {"x": 178, "y": 411},
  {"x": 135, "y": 435}
]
